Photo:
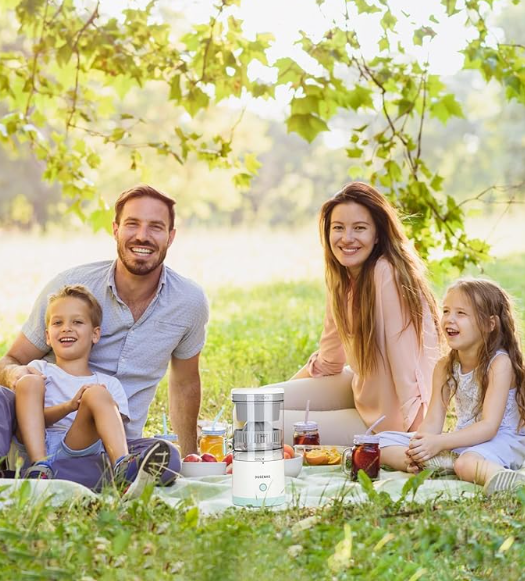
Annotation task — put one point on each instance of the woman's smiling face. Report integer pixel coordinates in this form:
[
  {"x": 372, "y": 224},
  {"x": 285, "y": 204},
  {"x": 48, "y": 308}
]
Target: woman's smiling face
[{"x": 353, "y": 235}]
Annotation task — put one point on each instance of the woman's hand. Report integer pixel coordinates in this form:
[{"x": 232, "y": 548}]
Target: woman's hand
[{"x": 424, "y": 446}]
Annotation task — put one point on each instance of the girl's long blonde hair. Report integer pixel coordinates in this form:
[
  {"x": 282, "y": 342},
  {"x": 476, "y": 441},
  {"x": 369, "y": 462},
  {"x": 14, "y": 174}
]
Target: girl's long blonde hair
[
  {"x": 409, "y": 271},
  {"x": 488, "y": 300}
]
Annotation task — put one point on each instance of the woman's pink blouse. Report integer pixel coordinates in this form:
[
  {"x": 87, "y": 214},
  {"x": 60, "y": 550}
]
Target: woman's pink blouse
[{"x": 402, "y": 381}]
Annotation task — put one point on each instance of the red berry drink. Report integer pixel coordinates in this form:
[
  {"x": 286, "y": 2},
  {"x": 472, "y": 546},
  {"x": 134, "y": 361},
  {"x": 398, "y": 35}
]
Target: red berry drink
[
  {"x": 306, "y": 434},
  {"x": 366, "y": 456}
]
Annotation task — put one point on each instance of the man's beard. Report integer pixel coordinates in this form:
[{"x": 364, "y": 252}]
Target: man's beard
[{"x": 141, "y": 268}]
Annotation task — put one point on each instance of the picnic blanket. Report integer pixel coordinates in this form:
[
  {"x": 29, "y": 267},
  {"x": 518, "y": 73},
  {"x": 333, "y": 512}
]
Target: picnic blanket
[{"x": 315, "y": 487}]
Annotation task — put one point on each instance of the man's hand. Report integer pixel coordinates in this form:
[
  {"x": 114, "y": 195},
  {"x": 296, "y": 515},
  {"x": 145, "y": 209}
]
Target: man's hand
[
  {"x": 424, "y": 446},
  {"x": 13, "y": 365},
  {"x": 14, "y": 373}
]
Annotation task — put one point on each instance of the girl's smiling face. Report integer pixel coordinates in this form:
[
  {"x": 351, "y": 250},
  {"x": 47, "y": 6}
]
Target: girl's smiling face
[{"x": 459, "y": 323}]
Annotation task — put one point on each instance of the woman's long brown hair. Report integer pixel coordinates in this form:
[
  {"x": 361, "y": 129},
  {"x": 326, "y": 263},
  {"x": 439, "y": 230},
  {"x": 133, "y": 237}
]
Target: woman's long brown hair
[
  {"x": 489, "y": 300},
  {"x": 409, "y": 271}
]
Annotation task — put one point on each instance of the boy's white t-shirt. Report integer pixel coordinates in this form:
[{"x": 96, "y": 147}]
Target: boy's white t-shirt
[{"x": 61, "y": 387}]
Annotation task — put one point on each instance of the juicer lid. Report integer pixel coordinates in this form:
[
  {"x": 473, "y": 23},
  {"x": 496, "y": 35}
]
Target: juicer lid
[{"x": 257, "y": 394}]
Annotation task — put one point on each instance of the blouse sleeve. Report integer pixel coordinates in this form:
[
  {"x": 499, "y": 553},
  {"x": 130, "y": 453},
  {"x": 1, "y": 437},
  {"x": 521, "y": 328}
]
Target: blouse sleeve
[
  {"x": 403, "y": 350},
  {"x": 330, "y": 358}
]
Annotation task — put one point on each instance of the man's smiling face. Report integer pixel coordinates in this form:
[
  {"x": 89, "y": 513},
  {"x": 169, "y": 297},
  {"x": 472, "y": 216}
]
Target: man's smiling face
[{"x": 143, "y": 235}]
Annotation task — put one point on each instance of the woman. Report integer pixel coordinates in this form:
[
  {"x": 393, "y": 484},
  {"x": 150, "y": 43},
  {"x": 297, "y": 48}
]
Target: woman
[{"x": 381, "y": 319}]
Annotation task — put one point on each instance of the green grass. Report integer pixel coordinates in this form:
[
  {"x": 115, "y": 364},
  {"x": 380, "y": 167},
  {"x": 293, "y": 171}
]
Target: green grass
[
  {"x": 255, "y": 337},
  {"x": 469, "y": 539}
]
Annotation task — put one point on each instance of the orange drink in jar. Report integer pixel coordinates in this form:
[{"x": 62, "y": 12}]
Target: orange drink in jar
[{"x": 213, "y": 441}]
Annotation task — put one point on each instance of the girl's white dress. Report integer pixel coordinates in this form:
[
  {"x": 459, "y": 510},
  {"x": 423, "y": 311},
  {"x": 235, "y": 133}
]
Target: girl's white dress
[{"x": 508, "y": 445}]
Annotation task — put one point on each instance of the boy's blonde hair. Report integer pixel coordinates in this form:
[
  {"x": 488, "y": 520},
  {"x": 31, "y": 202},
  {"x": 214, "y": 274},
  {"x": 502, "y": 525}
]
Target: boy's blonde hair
[{"x": 78, "y": 291}]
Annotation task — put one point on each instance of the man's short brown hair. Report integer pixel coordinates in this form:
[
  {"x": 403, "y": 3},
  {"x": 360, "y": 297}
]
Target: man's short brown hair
[
  {"x": 78, "y": 291},
  {"x": 144, "y": 191}
]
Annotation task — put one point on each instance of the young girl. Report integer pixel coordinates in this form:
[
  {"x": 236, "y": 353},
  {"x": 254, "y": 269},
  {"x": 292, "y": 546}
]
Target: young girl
[{"x": 484, "y": 372}]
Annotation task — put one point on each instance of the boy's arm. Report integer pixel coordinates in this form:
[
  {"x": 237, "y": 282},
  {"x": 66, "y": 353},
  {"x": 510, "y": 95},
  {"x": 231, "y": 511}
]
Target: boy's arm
[{"x": 55, "y": 413}]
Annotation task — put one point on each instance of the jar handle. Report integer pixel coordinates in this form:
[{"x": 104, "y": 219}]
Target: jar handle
[{"x": 347, "y": 466}]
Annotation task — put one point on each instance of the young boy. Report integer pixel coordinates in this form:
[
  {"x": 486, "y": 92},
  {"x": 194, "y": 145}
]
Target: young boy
[{"x": 68, "y": 411}]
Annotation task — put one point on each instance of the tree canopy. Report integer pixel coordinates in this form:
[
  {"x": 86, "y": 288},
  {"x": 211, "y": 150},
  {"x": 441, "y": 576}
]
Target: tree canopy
[{"x": 66, "y": 69}]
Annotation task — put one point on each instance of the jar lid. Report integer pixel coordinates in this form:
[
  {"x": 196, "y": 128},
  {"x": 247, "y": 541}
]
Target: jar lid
[
  {"x": 366, "y": 439},
  {"x": 213, "y": 431},
  {"x": 168, "y": 437},
  {"x": 306, "y": 426}
]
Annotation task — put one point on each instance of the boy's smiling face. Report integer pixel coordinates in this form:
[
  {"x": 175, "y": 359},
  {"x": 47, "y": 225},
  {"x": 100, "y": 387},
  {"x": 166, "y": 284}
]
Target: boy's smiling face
[{"x": 70, "y": 331}]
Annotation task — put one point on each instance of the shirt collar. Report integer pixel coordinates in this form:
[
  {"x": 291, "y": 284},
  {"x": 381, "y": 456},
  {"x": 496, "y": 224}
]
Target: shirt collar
[{"x": 113, "y": 286}]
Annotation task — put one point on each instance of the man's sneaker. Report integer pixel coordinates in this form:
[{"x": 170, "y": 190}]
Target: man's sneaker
[
  {"x": 441, "y": 464},
  {"x": 504, "y": 480},
  {"x": 40, "y": 471},
  {"x": 134, "y": 472}
]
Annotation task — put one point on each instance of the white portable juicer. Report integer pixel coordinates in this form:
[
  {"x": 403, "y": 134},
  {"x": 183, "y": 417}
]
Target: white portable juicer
[{"x": 258, "y": 441}]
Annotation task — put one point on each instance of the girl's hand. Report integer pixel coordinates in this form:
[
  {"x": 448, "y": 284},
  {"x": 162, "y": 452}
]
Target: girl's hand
[
  {"x": 424, "y": 446},
  {"x": 412, "y": 467}
]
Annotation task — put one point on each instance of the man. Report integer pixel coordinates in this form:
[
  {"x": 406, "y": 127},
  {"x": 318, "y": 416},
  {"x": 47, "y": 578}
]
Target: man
[{"x": 151, "y": 316}]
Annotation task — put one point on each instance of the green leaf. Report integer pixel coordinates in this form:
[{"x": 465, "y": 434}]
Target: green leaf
[
  {"x": 175, "y": 91},
  {"x": 383, "y": 43},
  {"x": 355, "y": 172},
  {"x": 64, "y": 54},
  {"x": 242, "y": 180},
  {"x": 195, "y": 100},
  {"x": 446, "y": 107},
  {"x": 307, "y": 126},
  {"x": 450, "y": 6},
  {"x": 191, "y": 518},
  {"x": 289, "y": 72},
  {"x": 363, "y": 7},
  {"x": 354, "y": 152},
  {"x": 305, "y": 105},
  {"x": 120, "y": 542},
  {"x": 251, "y": 163},
  {"x": 421, "y": 33},
  {"x": 436, "y": 183},
  {"x": 388, "y": 21},
  {"x": 360, "y": 97}
]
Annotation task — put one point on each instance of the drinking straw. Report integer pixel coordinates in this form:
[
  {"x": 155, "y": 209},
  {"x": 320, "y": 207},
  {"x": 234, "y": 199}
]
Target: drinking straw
[
  {"x": 217, "y": 418},
  {"x": 369, "y": 431},
  {"x": 164, "y": 424},
  {"x": 307, "y": 411}
]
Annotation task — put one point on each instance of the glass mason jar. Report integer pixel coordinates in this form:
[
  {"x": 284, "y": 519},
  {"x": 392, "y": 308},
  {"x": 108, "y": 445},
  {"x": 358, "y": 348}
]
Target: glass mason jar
[
  {"x": 213, "y": 441},
  {"x": 306, "y": 434},
  {"x": 364, "y": 455}
]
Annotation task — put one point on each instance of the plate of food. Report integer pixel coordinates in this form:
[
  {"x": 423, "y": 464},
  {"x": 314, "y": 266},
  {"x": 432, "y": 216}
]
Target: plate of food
[{"x": 321, "y": 455}]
